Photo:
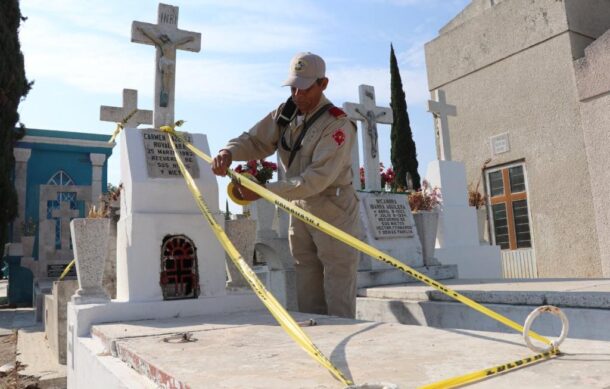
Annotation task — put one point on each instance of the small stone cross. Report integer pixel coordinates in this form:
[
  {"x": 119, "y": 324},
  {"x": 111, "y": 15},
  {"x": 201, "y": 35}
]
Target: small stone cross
[
  {"x": 65, "y": 214},
  {"x": 129, "y": 114},
  {"x": 440, "y": 109},
  {"x": 369, "y": 114},
  {"x": 167, "y": 38}
]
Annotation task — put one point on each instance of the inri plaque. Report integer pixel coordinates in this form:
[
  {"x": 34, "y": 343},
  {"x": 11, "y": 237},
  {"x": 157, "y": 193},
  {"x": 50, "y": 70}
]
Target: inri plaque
[
  {"x": 389, "y": 216},
  {"x": 160, "y": 159}
]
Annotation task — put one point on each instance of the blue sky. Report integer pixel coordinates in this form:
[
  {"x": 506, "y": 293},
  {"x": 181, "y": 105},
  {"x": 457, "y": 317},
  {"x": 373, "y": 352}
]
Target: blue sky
[{"x": 80, "y": 56}]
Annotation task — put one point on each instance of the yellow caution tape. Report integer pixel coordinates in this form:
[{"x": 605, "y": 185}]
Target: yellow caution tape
[
  {"x": 115, "y": 133},
  {"x": 283, "y": 318},
  {"x": 481, "y": 374},
  {"x": 67, "y": 269},
  {"x": 357, "y": 244},
  {"x": 121, "y": 125}
]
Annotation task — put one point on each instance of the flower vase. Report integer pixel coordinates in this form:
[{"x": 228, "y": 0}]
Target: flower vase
[
  {"x": 426, "y": 223},
  {"x": 90, "y": 243},
  {"x": 482, "y": 225}
]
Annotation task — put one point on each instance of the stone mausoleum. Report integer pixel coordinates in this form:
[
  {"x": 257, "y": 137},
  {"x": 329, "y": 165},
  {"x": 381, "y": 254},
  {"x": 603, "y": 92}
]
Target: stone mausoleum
[
  {"x": 58, "y": 175},
  {"x": 530, "y": 84}
]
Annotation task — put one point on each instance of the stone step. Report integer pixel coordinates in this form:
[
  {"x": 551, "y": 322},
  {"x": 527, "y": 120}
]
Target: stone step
[
  {"x": 390, "y": 276},
  {"x": 585, "y": 303}
]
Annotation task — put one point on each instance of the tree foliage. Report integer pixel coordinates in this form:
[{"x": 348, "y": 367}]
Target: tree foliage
[
  {"x": 403, "y": 153},
  {"x": 13, "y": 87}
]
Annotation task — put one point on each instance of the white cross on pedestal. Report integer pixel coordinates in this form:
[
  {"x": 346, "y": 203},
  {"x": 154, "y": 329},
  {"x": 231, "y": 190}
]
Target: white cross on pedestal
[
  {"x": 167, "y": 38},
  {"x": 129, "y": 114},
  {"x": 369, "y": 114},
  {"x": 440, "y": 109}
]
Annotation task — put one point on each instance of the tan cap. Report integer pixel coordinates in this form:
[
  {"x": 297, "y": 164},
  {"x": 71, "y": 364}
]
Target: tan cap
[{"x": 305, "y": 69}]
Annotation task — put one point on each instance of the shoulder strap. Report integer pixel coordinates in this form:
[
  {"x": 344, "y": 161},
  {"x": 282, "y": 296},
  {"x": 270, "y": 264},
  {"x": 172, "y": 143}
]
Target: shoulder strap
[{"x": 297, "y": 146}]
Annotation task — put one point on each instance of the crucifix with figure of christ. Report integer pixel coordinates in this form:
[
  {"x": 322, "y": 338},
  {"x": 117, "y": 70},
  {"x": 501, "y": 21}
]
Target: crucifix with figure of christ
[
  {"x": 441, "y": 110},
  {"x": 167, "y": 38},
  {"x": 369, "y": 114}
]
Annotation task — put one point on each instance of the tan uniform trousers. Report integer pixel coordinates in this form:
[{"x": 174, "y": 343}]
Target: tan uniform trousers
[{"x": 326, "y": 269}]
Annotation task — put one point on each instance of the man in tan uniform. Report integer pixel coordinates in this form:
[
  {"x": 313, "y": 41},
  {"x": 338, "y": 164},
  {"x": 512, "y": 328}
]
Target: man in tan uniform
[{"x": 314, "y": 147}]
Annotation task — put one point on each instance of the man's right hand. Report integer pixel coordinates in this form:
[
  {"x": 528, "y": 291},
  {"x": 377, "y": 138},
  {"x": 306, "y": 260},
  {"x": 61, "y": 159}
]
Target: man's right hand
[{"x": 222, "y": 162}]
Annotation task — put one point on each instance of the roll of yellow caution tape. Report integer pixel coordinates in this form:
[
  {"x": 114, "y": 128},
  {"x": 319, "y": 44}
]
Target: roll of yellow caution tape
[{"x": 234, "y": 195}]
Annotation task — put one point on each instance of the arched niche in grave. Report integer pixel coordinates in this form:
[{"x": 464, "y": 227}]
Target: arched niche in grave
[{"x": 179, "y": 277}]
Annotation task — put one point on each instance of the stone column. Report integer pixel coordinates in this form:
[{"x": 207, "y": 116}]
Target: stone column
[
  {"x": 21, "y": 171},
  {"x": 97, "y": 162}
]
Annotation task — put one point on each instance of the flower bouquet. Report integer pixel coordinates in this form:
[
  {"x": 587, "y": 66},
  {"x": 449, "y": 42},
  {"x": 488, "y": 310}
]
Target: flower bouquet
[
  {"x": 425, "y": 199},
  {"x": 260, "y": 171},
  {"x": 386, "y": 176}
]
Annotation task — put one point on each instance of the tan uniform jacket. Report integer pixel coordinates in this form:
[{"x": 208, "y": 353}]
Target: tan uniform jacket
[{"x": 322, "y": 164}]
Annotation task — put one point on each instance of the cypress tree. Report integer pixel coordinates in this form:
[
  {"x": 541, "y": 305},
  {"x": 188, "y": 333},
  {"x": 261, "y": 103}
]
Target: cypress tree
[
  {"x": 13, "y": 87},
  {"x": 403, "y": 153}
]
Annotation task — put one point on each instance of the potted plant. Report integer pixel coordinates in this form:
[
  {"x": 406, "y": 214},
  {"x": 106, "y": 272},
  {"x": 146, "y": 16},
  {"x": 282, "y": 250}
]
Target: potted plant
[
  {"x": 28, "y": 235},
  {"x": 424, "y": 204},
  {"x": 90, "y": 243}
]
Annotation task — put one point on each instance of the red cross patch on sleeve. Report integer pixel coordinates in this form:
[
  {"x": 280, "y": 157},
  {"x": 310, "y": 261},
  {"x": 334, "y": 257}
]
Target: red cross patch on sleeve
[{"x": 339, "y": 136}]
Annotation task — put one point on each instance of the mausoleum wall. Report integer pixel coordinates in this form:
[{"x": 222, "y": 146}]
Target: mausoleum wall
[
  {"x": 510, "y": 70},
  {"x": 593, "y": 81},
  {"x": 497, "y": 33}
]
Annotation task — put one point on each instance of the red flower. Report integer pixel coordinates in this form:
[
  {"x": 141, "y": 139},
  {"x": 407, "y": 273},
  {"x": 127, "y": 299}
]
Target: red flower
[{"x": 262, "y": 170}]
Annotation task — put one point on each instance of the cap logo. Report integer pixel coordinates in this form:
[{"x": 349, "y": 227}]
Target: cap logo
[{"x": 299, "y": 65}]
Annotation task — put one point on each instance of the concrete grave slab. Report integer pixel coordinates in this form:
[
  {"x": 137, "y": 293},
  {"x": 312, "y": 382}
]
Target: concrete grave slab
[{"x": 249, "y": 350}]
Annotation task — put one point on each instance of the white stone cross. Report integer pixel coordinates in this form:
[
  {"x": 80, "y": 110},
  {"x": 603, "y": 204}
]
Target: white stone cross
[
  {"x": 65, "y": 214},
  {"x": 167, "y": 38},
  {"x": 440, "y": 109},
  {"x": 368, "y": 112},
  {"x": 129, "y": 114}
]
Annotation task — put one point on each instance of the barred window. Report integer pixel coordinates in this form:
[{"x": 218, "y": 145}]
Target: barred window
[{"x": 509, "y": 207}]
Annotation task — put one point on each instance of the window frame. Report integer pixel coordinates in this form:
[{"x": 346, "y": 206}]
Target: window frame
[{"x": 508, "y": 198}]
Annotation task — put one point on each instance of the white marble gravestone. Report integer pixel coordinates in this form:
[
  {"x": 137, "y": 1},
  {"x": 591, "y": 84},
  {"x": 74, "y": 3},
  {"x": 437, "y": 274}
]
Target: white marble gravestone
[
  {"x": 388, "y": 225},
  {"x": 153, "y": 207},
  {"x": 369, "y": 114},
  {"x": 457, "y": 240},
  {"x": 155, "y": 204}
]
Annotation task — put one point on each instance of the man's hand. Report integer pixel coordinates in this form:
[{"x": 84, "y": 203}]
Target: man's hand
[
  {"x": 246, "y": 194},
  {"x": 222, "y": 162}
]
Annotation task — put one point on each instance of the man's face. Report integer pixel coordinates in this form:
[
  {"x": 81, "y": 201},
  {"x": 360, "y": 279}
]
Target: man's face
[{"x": 307, "y": 99}]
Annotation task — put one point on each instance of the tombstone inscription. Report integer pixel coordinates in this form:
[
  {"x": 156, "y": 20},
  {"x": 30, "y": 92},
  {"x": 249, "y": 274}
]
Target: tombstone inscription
[
  {"x": 389, "y": 217},
  {"x": 160, "y": 159},
  {"x": 388, "y": 225}
]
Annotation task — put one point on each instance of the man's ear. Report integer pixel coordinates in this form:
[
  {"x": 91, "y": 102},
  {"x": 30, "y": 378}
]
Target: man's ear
[{"x": 324, "y": 83}]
